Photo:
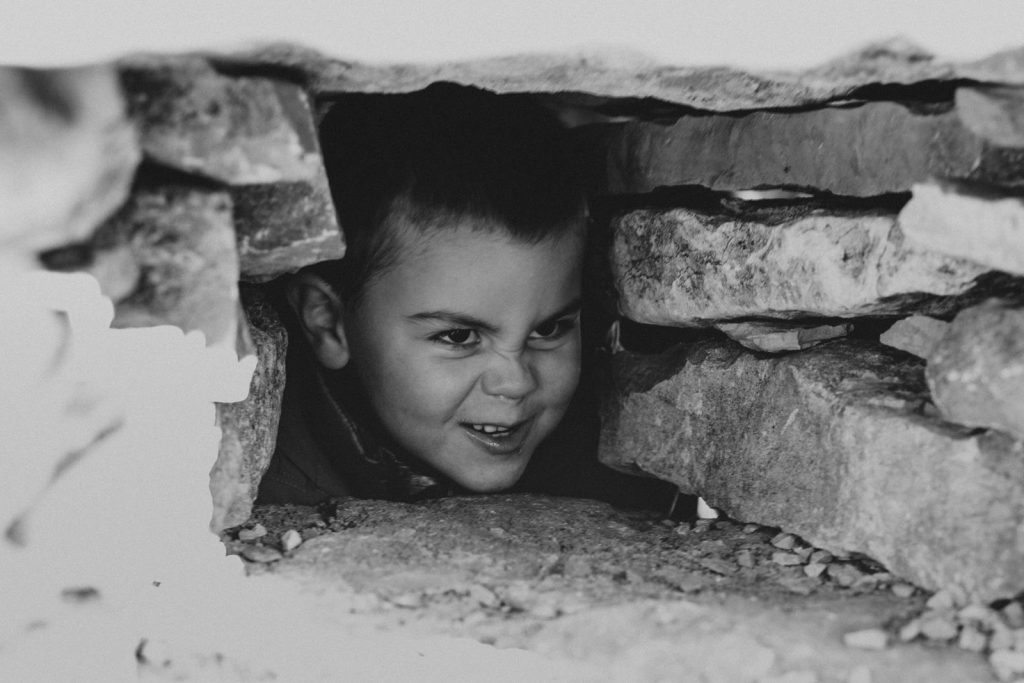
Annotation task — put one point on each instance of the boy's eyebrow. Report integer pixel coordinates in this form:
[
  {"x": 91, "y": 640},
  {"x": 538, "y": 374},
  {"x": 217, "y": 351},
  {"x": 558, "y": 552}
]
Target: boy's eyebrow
[{"x": 463, "y": 320}]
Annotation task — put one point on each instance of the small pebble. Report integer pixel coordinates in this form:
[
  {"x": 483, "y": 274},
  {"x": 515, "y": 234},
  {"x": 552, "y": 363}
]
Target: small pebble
[
  {"x": 784, "y": 541},
  {"x": 1013, "y": 614},
  {"x": 786, "y": 559},
  {"x": 821, "y": 557},
  {"x": 1002, "y": 638},
  {"x": 859, "y": 674},
  {"x": 1008, "y": 664},
  {"x": 290, "y": 540},
  {"x": 261, "y": 554},
  {"x": 972, "y": 639},
  {"x": 867, "y": 639},
  {"x": 940, "y": 600},
  {"x": 751, "y": 528},
  {"x": 903, "y": 590},
  {"x": 910, "y": 630},
  {"x": 258, "y": 531},
  {"x": 805, "y": 553},
  {"x": 745, "y": 558},
  {"x": 544, "y": 610},
  {"x": 702, "y": 525},
  {"x": 498, "y": 531},
  {"x": 407, "y": 600},
  {"x": 814, "y": 570},
  {"x": 705, "y": 511},
  {"x": 844, "y": 574},
  {"x": 682, "y": 529},
  {"x": 718, "y": 565},
  {"x": 484, "y": 596},
  {"x": 937, "y": 627},
  {"x": 979, "y": 613}
]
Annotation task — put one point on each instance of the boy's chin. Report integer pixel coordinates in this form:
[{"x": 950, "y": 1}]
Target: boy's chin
[{"x": 488, "y": 482}]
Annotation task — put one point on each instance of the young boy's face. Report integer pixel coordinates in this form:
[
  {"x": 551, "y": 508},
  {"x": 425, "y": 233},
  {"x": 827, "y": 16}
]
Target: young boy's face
[{"x": 469, "y": 348}]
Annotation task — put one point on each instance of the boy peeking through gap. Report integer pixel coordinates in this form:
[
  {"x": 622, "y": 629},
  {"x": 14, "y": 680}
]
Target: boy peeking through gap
[{"x": 443, "y": 353}]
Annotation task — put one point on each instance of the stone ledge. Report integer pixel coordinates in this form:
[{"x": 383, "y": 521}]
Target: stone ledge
[
  {"x": 831, "y": 444},
  {"x": 871, "y": 149},
  {"x": 688, "y": 267}
]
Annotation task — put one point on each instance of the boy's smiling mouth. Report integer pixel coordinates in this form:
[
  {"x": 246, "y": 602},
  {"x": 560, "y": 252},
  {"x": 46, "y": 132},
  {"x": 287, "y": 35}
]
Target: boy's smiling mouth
[{"x": 498, "y": 439}]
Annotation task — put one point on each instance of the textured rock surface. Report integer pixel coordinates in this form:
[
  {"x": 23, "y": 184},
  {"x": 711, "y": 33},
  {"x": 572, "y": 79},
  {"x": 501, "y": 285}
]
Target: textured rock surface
[
  {"x": 249, "y": 428},
  {"x": 774, "y": 337},
  {"x": 68, "y": 155},
  {"x": 953, "y": 219},
  {"x": 829, "y": 443},
  {"x": 976, "y": 371},
  {"x": 236, "y": 130},
  {"x": 282, "y": 227},
  {"x": 176, "y": 249},
  {"x": 871, "y": 149},
  {"x": 687, "y": 267},
  {"x": 995, "y": 114},
  {"x": 894, "y": 63},
  {"x": 917, "y": 334}
]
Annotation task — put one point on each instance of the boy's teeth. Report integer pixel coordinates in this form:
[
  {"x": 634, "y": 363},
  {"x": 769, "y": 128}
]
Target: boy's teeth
[{"x": 489, "y": 429}]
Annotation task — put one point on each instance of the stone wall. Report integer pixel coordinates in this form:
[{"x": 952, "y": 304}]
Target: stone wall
[{"x": 773, "y": 213}]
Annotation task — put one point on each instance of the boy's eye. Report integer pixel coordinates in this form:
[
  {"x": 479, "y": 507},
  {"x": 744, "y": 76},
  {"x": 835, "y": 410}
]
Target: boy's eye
[
  {"x": 553, "y": 329},
  {"x": 462, "y": 337}
]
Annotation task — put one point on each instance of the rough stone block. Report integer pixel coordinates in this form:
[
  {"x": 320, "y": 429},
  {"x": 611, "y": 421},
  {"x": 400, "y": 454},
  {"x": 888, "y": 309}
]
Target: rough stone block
[
  {"x": 917, "y": 334},
  {"x": 249, "y": 428},
  {"x": 981, "y": 226},
  {"x": 68, "y": 155},
  {"x": 872, "y": 149},
  {"x": 687, "y": 267},
  {"x": 170, "y": 256},
  {"x": 282, "y": 227},
  {"x": 238, "y": 131},
  {"x": 976, "y": 371},
  {"x": 830, "y": 444}
]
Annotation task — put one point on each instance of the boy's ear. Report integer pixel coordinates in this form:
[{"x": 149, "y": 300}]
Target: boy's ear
[{"x": 319, "y": 311}]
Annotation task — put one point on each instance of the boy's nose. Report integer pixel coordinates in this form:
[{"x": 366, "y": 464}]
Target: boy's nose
[{"x": 509, "y": 376}]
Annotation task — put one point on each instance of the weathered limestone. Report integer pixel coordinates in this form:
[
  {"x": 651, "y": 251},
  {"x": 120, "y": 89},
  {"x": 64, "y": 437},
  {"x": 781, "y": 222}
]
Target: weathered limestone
[
  {"x": 615, "y": 74},
  {"x": 917, "y": 334},
  {"x": 284, "y": 226},
  {"x": 175, "y": 246},
  {"x": 249, "y": 428},
  {"x": 957, "y": 220},
  {"x": 830, "y": 444},
  {"x": 871, "y": 149},
  {"x": 256, "y": 135},
  {"x": 774, "y": 337},
  {"x": 687, "y": 267},
  {"x": 976, "y": 371},
  {"x": 234, "y": 130},
  {"x": 68, "y": 155}
]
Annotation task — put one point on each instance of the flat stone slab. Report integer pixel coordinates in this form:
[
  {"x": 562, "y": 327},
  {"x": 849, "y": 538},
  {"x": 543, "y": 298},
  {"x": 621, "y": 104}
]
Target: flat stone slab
[
  {"x": 689, "y": 267},
  {"x": 870, "y": 149},
  {"x": 976, "y": 370},
  {"x": 628, "y": 593},
  {"x": 831, "y": 444},
  {"x": 938, "y": 215},
  {"x": 617, "y": 74},
  {"x": 916, "y": 334},
  {"x": 242, "y": 130}
]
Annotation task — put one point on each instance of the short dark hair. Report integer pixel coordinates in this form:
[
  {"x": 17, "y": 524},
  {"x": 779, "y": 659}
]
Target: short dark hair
[{"x": 443, "y": 153}]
